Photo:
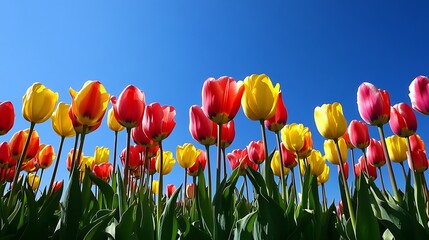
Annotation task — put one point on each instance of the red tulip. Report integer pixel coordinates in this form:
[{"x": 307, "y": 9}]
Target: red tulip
[
  {"x": 228, "y": 134},
  {"x": 403, "y": 121},
  {"x": 158, "y": 122},
  {"x": 256, "y": 152},
  {"x": 375, "y": 154},
  {"x": 103, "y": 171},
  {"x": 7, "y": 119},
  {"x": 346, "y": 170},
  {"x": 373, "y": 104},
  {"x": 360, "y": 166},
  {"x": 419, "y": 159},
  {"x": 57, "y": 185},
  {"x": 69, "y": 159},
  {"x": 278, "y": 121},
  {"x": 17, "y": 142},
  {"x": 190, "y": 190},
  {"x": 134, "y": 159},
  {"x": 239, "y": 157},
  {"x": 5, "y": 157},
  {"x": 140, "y": 138},
  {"x": 417, "y": 143},
  {"x": 359, "y": 134},
  {"x": 129, "y": 107},
  {"x": 289, "y": 158},
  {"x": 201, "y": 161},
  {"x": 221, "y": 98},
  {"x": 170, "y": 190},
  {"x": 419, "y": 94},
  {"x": 202, "y": 129},
  {"x": 346, "y": 138},
  {"x": 152, "y": 165},
  {"x": 7, "y": 174}
]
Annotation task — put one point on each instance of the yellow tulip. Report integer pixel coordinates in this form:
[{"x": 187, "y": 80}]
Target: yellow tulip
[
  {"x": 187, "y": 155},
  {"x": 155, "y": 187},
  {"x": 61, "y": 122},
  {"x": 167, "y": 162},
  {"x": 260, "y": 98},
  {"x": 33, "y": 180},
  {"x": 90, "y": 103},
  {"x": 293, "y": 136},
  {"x": 316, "y": 162},
  {"x": 38, "y": 103},
  {"x": 397, "y": 148},
  {"x": 331, "y": 153},
  {"x": 330, "y": 120},
  {"x": 87, "y": 161},
  {"x": 112, "y": 122},
  {"x": 101, "y": 155},
  {"x": 323, "y": 178},
  {"x": 275, "y": 165}
]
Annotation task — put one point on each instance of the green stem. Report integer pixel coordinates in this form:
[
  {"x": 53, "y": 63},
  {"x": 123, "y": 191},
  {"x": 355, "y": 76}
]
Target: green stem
[
  {"x": 381, "y": 179},
  {"x": 282, "y": 172},
  {"x": 82, "y": 140},
  {"x": 219, "y": 147},
  {"x": 294, "y": 185},
  {"x": 147, "y": 166},
  {"x": 160, "y": 187},
  {"x": 209, "y": 170},
  {"x": 19, "y": 164},
  {"x": 366, "y": 162},
  {"x": 184, "y": 191},
  {"x": 224, "y": 162},
  {"x": 127, "y": 159},
  {"x": 247, "y": 189},
  {"x": 416, "y": 187},
  {"x": 268, "y": 173},
  {"x": 389, "y": 164},
  {"x": 403, "y": 170},
  {"x": 76, "y": 140},
  {"x": 353, "y": 161},
  {"x": 115, "y": 152},
  {"x": 40, "y": 180},
  {"x": 57, "y": 160},
  {"x": 325, "y": 200},
  {"x": 299, "y": 169},
  {"x": 346, "y": 188}
]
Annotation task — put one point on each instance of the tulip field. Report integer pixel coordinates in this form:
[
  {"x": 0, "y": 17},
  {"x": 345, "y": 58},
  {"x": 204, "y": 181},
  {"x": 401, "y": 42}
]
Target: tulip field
[{"x": 121, "y": 193}]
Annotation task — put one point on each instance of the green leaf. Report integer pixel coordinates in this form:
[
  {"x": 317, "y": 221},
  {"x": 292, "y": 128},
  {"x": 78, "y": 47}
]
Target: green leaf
[
  {"x": 244, "y": 227},
  {"x": 96, "y": 230},
  {"x": 168, "y": 227},
  {"x": 122, "y": 195},
  {"x": 204, "y": 204},
  {"x": 269, "y": 176},
  {"x": 105, "y": 188},
  {"x": 147, "y": 225},
  {"x": 124, "y": 229},
  {"x": 366, "y": 222}
]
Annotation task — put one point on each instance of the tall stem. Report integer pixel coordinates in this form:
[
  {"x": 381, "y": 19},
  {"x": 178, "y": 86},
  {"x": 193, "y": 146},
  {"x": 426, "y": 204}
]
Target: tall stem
[
  {"x": 389, "y": 164},
  {"x": 19, "y": 164},
  {"x": 247, "y": 188},
  {"x": 209, "y": 172},
  {"x": 294, "y": 185},
  {"x": 381, "y": 179},
  {"x": 82, "y": 140},
  {"x": 268, "y": 173},
  {"x": 184, "y": 191},
  {"x": 76, "y": 140},
  {"x": 147, "y": 166},
  {"x": 346, "y": 189},
  {"x": 127, "y": 159},
  {"x": 114, "y": 153},
  {"x": 219, "y": 147},
  {"x": 416, "y": 187},
  {"x": 353, "y": 160},
  {"x": 299, "y": 168},
  {"x": 403, "y": 170},
  {"x": 40, "y": 180},
  {"x": 224, "y": 162},
  {"x": 325, "y": 200},
  {"x": 282, "y": 172},
  {"x": 57, "y": 160},
  {"x": 160, "y": 186},
  {"x": 366, "y": 161}
]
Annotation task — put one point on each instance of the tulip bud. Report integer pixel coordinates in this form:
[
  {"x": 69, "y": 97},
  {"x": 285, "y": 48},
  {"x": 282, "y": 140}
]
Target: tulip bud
[
  {"x": 167, "y": 162},
  {"x": 129, "y": 107},
  {"x": 7, "y": 119},
  {"x": 419, "y": 94},
  {"x": 190, "y": 190},
  {"x": 373, "y": 104},
  {"x": 256, "y": 151},
  {"x": 359, "y": 134},
  {"x": 61, "y": 122},
  {"x": 170, "y": 190},
  {"x": 38, "y": 103},
  {"x": 403, "y": 121},
  {"x": 330, "y": 120},
  {"x": 278, "y": 121}
]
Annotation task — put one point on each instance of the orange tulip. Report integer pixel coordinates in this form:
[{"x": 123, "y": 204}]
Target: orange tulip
[
  {"x": 17, "y": 143},
  {"x": 46, "y": 156}
]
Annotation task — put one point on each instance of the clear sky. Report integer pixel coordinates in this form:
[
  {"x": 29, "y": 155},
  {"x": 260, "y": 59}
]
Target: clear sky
[{"x": 319, "y": 52}]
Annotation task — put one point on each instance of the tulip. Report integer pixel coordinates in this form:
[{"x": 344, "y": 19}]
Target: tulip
[
  {"x": 360, "y": 167},
  {"x": 170, "y": 190},
  {"x": 155, "y": 187},
  {"x": 186, "y": 155},
  {"x": 190, "y": 189},
  {"x": 373, "y": 104},
  {"x": 330, "y": 120},
  {"x": 87, "y": 162},
  {"x": 239, "y": 157},
  {"x": 375, "y": 153},
  {"x": 101, "y": 155},
  {"x": 7, "y": 113},
  {"x": 103, "y": 171},
  {"x": 158, "y": 121},
  {"x": 199, "y": 163},
  {"x": 5, "y": 157},
  {"x": 275, "y": 165},
  {"x": 38, "y": 103},
  {"x": 256, "y": 152},
  {"x": 17, "y": 144},
  {"x": 140, "y": 138},
  {"x": 78, "y": 127},
  {"x": 45, "y": 156},
  {"x": 359, "y": 134},
  {"x": 202, "y": 129},
  {"x": 90, "y": 103},
  {"x": 168, "y": 162},
  {"x": 30, "y": 166},
  {"x": 221, "y": 98},
  {"x": 134, "y": 158},
  {"x": 289, "y": 158},
  {"x": 397, "y": 147},
  {"x": 279, "y": 119},
  {"x": 129, "y": 106},
  {"x": 305, "y": 151},
  {"x": 346, "y": 137},
  {"x": 346, "y": 169},
  {"x": 69, "y": 162},
  {"x": 331, "y": 153},
  {"x": 260, "y": 97},
  {"x": 61, "y": 122},
  {"x": 419, "y": 94},
  {"x": 152, "y": 166},
  {"x": 293, "y": 136},
  {"x": 112, "y": 122},
  {"x": 417, "y": 161},
  {"x": 33, "y": 180},
  {"x": 324, "y": 176},
  {"x": 316, "y": 162},
  {"x": 7, "y": 174},
  {"x": 402, "y": 120},
  {"x": 57, "y": 185}
]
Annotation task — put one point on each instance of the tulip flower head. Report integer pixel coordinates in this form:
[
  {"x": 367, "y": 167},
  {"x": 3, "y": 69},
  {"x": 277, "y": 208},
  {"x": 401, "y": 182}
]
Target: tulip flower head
[
  {"x": 240, "y": 158},
  {"x": 375, "y": 154},
  {"x": 5, "y": 157},
  {"x": 403, "y": 121},
  {"x": 397, "y": 148},
  {"x": 289, "y": 157},
  {"x": 167, "y": 162},
  {"x": 359, "y": 134},
  {"x": 324, "y": 177},
  {"x": 260, "y": 97},
  {"x": 61, "y": 122},
  {"x": 186, "y": 155},
  {"x": 7, "y": 113},
  {"x": 140, "y": 138},
  {"x": 90, "y": 103},
  {"x": 129, "y": 106},
  {"x": 17, "y": 143},
  {"x": 346, "y": 137},
  {"x": 228, "y": 134},
  {"x": 279, "y": 119},
  {"x": 417, "y": 160},
  {"x": 256, "y": 151},
  {"x": 416, "y": 143},
  {"x": 155, "y": 187},
  {"x": 33, "y": 180},
  {"x": 57, "y": 185},
  {"x": 70, "y": 159},
  {"x": 275, "y": 165},
  {"x": 316, "y": 162},
  {"x": 221, "y": 98},
  {"x": 293, "y": 136},
  {"x": 38, "y": 103},
  {"x": 103, "y": 171},
  {"x": 78, "y": 127},
  {"x": 360, "y": 167},
  {"x": 170, "y": 190},
  {"x": 373, "y": 104},
  {"x": 331, "y": 153},
  {"x": 158, "y": 122},
  {"x": 330, "y": 120},
  {"x": 305, "y": 151},
  {"x": 45, "y": 156},
  {"x": 134, "y": 159},
  {"x": 112, "y": 122},
  {"x": 419, "y": 94},
  {"x": 346, "y": 170},
  {"x": 202, "y": 129},
  {"x": 199, "y": 163},
  {"x": 101, "y": 155},
  {"x": 190, "y": 189}
]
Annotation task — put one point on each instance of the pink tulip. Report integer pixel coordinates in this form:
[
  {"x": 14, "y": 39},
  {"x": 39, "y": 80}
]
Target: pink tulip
[
  {"x": 256, "y": 151},
  {"x": 403, "y": 121},
  {"x": 419, "y": 94},
  {"x": 373, "y": 104},
  {"x": 375, "y": 154},
  {"x": 359, "y": 134},
  {"x": 278, "y": 121},
  {"x": 202, "y": 129}
]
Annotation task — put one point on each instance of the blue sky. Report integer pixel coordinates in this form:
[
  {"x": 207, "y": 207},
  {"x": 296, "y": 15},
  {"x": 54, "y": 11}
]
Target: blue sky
[{"x": 319, "y": 52}]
